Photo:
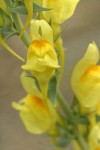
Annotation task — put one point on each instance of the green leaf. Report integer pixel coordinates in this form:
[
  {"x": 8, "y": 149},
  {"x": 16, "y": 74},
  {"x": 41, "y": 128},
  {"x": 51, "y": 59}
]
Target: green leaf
[
  {"x": 64, "y": 137},
  {"x": 97, "y": 118},
  {"x": 36, "y": 82},
  {"x": 83, "y": 120},
  {"x": 6, "y": 19},
  {"x": 37, "y": 8},
  {"x": 57, "y": 36},
  {"x": 22, "y": 9},
  {"x": 52, "y": 90},
  {"x": 40, "y": 31},
  {"x": 19, "y": 10},
  {"x": 75, "y": 105},
  {"x": 8, "y": 2},
  {"x": 78, "y": 119},
  {"x": 27, "y": 83},
  {"x": 63, "y": 141},
  {"x": 8, "y": 31}
]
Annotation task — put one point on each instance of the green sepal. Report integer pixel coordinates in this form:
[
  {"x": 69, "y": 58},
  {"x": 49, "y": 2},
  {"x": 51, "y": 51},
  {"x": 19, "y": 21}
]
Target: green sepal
[
  {"x": 22, "y": 9},
  {"x": 52, "y": 90}
]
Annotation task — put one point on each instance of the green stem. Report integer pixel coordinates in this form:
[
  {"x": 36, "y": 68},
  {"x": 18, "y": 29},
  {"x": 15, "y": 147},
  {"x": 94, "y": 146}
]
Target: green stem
[
  {"x": 19, "y": 27},
  {"x": 64, "y": 104},
  {"x": 82, "y": 142},
  {"x": 71, "y": 117}
]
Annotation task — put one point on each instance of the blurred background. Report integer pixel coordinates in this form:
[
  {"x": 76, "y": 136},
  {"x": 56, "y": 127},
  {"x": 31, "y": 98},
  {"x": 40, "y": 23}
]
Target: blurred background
[{"x": 81, "y": 29}]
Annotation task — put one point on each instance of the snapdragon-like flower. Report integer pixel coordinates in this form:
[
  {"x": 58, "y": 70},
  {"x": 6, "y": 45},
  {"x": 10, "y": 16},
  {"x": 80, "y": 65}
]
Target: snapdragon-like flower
[
  {"x": 85, "y": 78},
  {"x": 42, "y": 62},
  {"x": 41, "y": 55},
  {"x": 94, "y": 138},
  {"x": 36, "y": 117},
  {"x": 41, "y": 30},
  {"x": 60, "y": 11}
]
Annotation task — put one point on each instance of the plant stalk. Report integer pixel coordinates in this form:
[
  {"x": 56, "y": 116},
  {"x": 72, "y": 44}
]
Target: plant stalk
[{"x": 19, "y": 27}]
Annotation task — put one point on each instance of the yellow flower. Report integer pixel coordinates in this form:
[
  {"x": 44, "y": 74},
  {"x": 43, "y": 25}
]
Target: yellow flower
[
  {"x": 85, "y": 78},
  {"x": 36, "y": 116},
  {"x": 41, "y": 30},
  {"x": 94, "y": 138},
  {"x": 41, "y": 55},
  {"x": 60, "y": 11},
  {"x": 41, "y": 61}
]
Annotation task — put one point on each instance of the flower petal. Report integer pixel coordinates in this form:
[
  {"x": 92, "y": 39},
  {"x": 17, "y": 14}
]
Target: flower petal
[
  {"x": 46, "y": 31},
  {"x": 36, "y": 116},
  {"x": 61, "y": 10},
  {"x": 85, "y": 78}
]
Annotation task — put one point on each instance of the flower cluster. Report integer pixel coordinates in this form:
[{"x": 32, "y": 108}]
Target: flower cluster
[
  {"x": 44, "y": 109},
  {"x": 36, "y": 110}
]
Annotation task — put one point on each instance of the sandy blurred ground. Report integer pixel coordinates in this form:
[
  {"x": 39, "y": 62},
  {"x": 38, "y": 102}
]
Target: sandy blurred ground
[{"x": 81, "y": 29}]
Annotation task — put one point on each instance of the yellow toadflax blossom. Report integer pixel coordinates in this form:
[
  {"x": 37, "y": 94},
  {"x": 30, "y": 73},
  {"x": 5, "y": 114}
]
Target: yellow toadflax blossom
[
  {"x": 41, "y": 61},
  {"x": 85, "y": 80},
  {"x": 41, "y": 55},
  {"x": 41, "y": 30},
  {"x": 36, "y": 117},
  {"x": 60, "y": 11}
]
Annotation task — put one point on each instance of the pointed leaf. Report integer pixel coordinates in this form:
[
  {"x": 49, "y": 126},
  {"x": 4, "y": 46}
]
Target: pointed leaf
[
  {"x": 52, "y": 90},
  {"x": 8, "y": 31},
  {"x": 38, "y": 8},
  {"x": 98, "y": 118},
  {"x": 2, "y": 42},
  {"x": 19, "y": 10},
  {"x": 22, "y": 9}
]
